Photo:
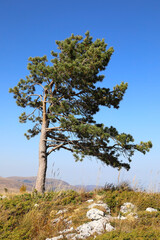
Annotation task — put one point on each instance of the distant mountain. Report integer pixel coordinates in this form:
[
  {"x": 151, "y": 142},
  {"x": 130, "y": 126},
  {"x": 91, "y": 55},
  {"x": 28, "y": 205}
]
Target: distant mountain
[{"x": 13, "y": 184}]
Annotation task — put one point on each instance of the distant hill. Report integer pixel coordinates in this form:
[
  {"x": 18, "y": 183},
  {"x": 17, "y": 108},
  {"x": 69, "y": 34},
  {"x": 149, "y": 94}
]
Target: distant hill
[{"x": 13, "y": 184}]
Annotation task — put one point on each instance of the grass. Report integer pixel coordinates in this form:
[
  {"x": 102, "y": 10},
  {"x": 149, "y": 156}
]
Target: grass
[{"x": 30, "y": 216}]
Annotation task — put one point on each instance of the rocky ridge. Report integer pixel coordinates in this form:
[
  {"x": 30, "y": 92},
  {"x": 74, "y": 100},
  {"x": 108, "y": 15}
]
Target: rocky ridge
[{"x": 100, "y": 220}]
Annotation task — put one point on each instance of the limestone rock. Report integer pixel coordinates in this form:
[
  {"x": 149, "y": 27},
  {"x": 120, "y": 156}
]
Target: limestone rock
[
  {"x": 99, "y": 224},
  {"x": 3, "y": 197},
  {"x": 87, "y": 229},
  {"x": 150, "y": 209},
  {"x": 70, "y": 236},
  {"x": 36, "y": 205},
  {"x": 56, "y": 220},
  {"x": 95, "y": 214},
  {"x": 109, "y": 227},
  {"x": 61, "y": 211},
  {"x": 100, "y": 204},
  {"x": 90, "y": 200},
  {"x": 127, "y": 208},
  {"x": 67, "y": 230}
]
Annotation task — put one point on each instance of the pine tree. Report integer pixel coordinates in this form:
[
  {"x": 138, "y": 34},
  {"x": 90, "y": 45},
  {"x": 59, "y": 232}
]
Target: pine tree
[{"x": 64, "y": 97}]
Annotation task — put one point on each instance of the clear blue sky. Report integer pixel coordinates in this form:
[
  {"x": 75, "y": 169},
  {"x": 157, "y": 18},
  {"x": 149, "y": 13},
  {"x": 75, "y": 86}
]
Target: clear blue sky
[{"x": 30, "y": 28}]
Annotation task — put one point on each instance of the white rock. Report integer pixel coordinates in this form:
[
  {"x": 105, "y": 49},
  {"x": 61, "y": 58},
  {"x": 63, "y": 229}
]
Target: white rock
[
  {"x": 98, "y": 226},
  {"x": 90, "y": 200},
  {"x": 95, "y": 214},
  {"x": 36, "y": 205},
  {"x": 70, "y": 236},
  {"x": 87, "y": 229},
  {"x": 119, "y": 217},
  {"x": 67, "y": 230},
  {"x": 100, "y": 204},
  {"x": 149, "y": 209},
  {"x": 68, "y": 222},
  {"x": 109, "y": 228},
  {"x": 127, "y": 207},
  {"x": 56, "y": 220},
  {"x": 55, "y": 238},
  {"x": 80, "y": 236},
  {"x": 3, "y": 197},
  {"x": 61, "y": 211}
]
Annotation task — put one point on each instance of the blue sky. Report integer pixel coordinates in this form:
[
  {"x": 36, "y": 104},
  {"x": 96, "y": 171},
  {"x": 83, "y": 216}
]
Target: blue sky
[{"x": 30, "y": 28}]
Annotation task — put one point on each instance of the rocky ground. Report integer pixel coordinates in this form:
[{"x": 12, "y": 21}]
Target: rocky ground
[
  {"x": 113, "y": 213},
  {"x": 100, "y": 220}
]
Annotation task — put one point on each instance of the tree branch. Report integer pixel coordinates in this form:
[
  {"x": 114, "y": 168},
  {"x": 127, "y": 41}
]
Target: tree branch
[
  {"x": 38, "y": 84},
  {"x": 69, "y": 149},
  {"x": 32, "y": 112},
  {"x": 53, "y": 149},
  {"x": 55, "y": 128},
  {"x": 35, "y": 95}
]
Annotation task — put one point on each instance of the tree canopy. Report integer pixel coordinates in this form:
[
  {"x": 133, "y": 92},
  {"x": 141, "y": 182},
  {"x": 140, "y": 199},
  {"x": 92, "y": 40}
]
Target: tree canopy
[{"x": 65, "y": 96}]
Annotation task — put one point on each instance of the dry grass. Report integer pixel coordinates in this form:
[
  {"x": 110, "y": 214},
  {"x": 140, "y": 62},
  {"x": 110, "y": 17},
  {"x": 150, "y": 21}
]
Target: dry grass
[{"x": 21, "y": 219}]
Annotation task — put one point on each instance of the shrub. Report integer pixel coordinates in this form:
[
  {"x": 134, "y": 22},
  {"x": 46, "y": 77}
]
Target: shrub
[{"x": 23, "y": 188}]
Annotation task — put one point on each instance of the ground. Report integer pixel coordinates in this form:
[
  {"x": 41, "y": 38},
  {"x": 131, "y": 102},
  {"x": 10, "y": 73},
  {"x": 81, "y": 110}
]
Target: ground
[{"x": 34, "y": 216}]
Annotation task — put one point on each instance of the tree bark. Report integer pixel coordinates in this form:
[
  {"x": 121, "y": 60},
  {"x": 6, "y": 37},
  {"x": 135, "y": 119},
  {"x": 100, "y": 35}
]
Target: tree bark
[{"x": 41, "y": 176}]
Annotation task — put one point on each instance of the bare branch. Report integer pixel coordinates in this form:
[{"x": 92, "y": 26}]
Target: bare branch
[
  {"x": 35, "y": 95},
  {"x": 55, "y": 128},
  {"x": 53, "y": 149},
  {"x": 48, "y": 140},
  {"x": 32, "y": 112},
  {"x": 69, "y": 149},
  {"x": 53, "y": 145},
  {"x": 38, "y": 84}
]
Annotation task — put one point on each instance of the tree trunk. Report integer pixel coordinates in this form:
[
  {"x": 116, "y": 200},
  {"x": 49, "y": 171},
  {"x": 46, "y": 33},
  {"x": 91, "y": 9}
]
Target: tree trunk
[{"x": 41, "y": 176}]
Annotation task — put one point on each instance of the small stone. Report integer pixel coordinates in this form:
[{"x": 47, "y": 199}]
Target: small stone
[
  {"x": 61, "y": 211},
  {"x": 56, "y": 220},
  {"x": 3, "y": 197},
  {"x": 36, "y": 205},
  {"x": 149, "y": 209},
  {"x": 90, "y": 200}
]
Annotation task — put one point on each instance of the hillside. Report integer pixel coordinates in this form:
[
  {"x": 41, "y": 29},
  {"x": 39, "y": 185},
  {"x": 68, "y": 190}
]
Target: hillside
[
  {"x": 13, "y": 184},
  {"x": 112, "y": 213}
]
